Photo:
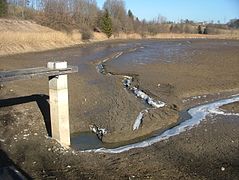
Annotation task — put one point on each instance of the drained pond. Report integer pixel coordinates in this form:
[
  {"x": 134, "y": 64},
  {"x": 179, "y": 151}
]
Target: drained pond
[{"x": 120, "y": 63}]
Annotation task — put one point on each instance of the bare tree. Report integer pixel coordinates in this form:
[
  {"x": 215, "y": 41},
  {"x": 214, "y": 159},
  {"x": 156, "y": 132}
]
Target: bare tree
[
  {"x": 84, "y": 12},
  {"x": 161, "y": 19}
]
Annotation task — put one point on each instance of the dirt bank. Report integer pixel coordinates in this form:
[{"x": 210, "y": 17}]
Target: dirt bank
[
  {"x": 18, "y": 36},
  {"x": 21, "y": 36},
  {"x": 212, "y": 68}
]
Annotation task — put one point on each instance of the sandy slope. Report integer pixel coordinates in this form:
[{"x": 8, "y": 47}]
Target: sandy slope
[
  {"x": 18, "y": 36},
  {"x": 21, "y": 36}
]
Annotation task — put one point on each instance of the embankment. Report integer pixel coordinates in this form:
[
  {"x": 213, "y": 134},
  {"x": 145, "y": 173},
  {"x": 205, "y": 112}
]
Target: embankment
[{"x": 20, "y": 36}]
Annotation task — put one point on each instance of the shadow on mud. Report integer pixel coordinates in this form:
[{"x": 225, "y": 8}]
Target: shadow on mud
[
  {"x": 40, "y": 99},
  {"x": 9, "y": 170}
]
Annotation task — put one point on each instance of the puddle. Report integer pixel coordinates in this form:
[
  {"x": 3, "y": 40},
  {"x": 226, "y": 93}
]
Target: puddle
[{"x": 85, "y": 141}]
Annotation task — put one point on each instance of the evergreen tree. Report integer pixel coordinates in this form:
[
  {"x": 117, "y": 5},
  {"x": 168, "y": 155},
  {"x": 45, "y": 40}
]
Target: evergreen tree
[
  {"x": 3, "y": 8},
  {"x": 130, "y": 14},
  {"x": 200, "y": 29},
  {"x": 205, "y": 31},
  {"x": 106, "y": 24}
]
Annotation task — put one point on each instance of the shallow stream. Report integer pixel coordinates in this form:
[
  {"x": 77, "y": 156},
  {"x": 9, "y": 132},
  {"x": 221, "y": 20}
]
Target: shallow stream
[{"x": 189, "y": 119}]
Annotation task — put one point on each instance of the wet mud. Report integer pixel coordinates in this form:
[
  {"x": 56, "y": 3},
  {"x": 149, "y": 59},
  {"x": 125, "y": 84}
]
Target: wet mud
[{"x": 231, "y": 108}]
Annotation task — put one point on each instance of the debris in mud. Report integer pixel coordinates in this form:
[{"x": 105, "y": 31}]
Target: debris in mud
[
  {"x": 100, "y": 132},
  {"x": 127, "y": 81},
  {"x": 142, "y": 95},
  {"x": 100, "y": 68},
  {"x": 194, "y": 98},
  {"x": 139, "y": 120}
]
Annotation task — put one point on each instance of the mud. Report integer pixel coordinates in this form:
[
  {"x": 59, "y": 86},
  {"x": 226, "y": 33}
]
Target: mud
[
  {"x": 171, "y": 71},
  {"x": 232, "y": 107}
]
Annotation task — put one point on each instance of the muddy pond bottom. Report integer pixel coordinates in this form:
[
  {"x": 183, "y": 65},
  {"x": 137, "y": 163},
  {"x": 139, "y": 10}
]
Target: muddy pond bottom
[{"x": 189, "y": 119}]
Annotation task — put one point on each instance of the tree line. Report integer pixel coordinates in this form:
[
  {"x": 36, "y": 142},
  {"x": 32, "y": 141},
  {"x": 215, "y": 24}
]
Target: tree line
[{"x": 85, "y": 15}]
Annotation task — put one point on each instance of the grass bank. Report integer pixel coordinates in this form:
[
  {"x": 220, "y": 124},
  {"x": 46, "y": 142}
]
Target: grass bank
[{"x": 20, "y": 36}]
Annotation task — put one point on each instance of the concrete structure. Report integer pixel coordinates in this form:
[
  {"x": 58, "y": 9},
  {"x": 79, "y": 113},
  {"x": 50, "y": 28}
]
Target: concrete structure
[
  {"x": 58, "y": 93},
  {"x": 59, "y": 108}
]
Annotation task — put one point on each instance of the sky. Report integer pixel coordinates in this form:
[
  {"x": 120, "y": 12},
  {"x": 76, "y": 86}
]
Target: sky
[{"x": 175, "y": 10}]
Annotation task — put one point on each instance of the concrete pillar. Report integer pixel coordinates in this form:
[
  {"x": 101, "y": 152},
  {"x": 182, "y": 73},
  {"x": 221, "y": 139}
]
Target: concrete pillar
[{"x": 59, "y": 108}]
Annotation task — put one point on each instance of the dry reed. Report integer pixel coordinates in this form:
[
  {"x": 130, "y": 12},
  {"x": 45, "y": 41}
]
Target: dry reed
[{"x": 24, "y": 36}]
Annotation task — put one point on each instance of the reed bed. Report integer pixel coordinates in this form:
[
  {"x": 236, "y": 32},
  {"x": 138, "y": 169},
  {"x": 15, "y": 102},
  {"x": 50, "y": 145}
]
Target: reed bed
[{"x": 19, "y": 42}]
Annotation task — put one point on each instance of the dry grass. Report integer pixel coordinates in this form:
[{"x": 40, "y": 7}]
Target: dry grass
[
  {"x": 22, "y": 26},
  {"x": 225, "y": 34},
  {"x": 24, "y": 36},
  {"x": 194, "y": 36},
  {"x": 19, "y": 42},
  {"x": 99, "y": 37},
  {"x": 17, "y": 36},
  {"x": 10, "y": 37},
  {"x": 127, "y": 36}
]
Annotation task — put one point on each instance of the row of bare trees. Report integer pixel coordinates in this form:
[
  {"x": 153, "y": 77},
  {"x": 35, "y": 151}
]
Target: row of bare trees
[
  {"x": 72, "y": 14},
  {"x": 85, "y": 16}
]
